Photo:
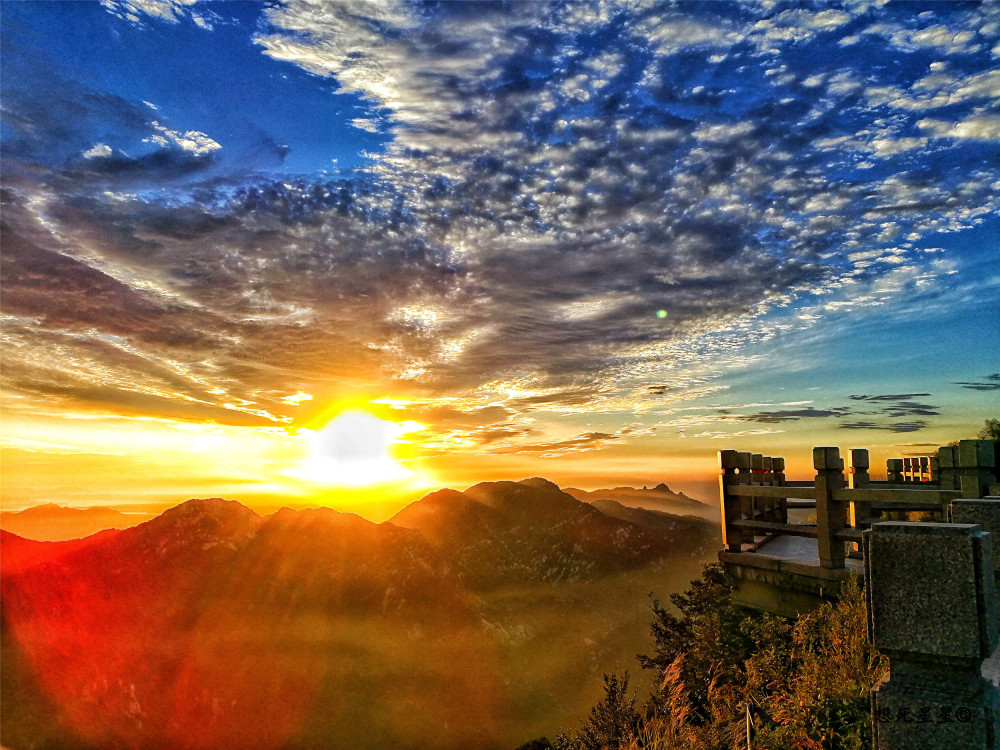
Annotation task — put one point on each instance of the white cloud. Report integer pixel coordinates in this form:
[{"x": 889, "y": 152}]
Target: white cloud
[
  {"x": 98, "y": 151},
  {"x": 192, "y": 141},
  {"x": 170, "y": 11},
  {"x": 979, "y": 128}
]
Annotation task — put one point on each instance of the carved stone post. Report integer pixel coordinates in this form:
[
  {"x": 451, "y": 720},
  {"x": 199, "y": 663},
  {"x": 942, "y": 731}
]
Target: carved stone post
[
  {"x": 925, "y": 469},
  {"x": 767, "y": 479},
  {"x": 894, "y": 470},
  {"x": 948, "y": 464},
  {"x": 985, "y": 513},
  {"x": 831, "y": 515},
  {"x": 858, "y": 478},
  {"x": 932, "y": 611},
  {"x": 757, "y": 478},
  {"x": 976, "y": 460},
  {"x": 732, "y": 537},
  {"x": 778, "y": 467},
  {"x": 745, "y": 477}
]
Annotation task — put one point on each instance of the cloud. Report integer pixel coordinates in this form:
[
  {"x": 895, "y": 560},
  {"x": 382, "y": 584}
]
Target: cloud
[
  {"x": 97, "y": 151},
  {"x": 982, "y": 128},
  {"x": 993, "y": 383},
  {"x": 193, "y": 141},
  {"x": 170, "y": 11},
  {"x": 896, "y": 427},
  {"x": 508, "y": 253},
  {"x": 792, "y": 415}
]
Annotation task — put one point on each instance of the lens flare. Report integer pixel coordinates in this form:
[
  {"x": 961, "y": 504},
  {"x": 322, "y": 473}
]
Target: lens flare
[{"x": 355, "y": 450}]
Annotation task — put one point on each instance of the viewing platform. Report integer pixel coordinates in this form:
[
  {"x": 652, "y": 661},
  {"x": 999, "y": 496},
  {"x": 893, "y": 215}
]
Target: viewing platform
[{"x": 789, "y": 545}]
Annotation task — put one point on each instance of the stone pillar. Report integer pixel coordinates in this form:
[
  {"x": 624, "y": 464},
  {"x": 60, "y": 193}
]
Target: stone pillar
[
  {"x": 778, "y": 467},
  {"x": 985, "y": 513},
  {"x": 732, "y": 537},
  {"x": 948, "y": 463},
  {"x": 894, "y": 470},
  {"x": 925, "y": 469},
  {"x": 745, "y": 477},
  {"x": 932, "y": 611},
  {"x": 858, "y": 478},
  {"x": 976, "y": 459},
  {"x": 831, "y": 515}
]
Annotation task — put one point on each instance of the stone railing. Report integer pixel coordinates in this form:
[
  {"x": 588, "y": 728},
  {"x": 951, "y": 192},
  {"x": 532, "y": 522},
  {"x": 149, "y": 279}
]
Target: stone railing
[{"x": 930, "y": 586}]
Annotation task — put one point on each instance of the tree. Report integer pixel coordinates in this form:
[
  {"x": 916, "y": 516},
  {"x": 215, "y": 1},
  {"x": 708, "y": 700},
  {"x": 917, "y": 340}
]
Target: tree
[
  {"x": 990, "y": 431},
  {"x": 612, "y": 723}
]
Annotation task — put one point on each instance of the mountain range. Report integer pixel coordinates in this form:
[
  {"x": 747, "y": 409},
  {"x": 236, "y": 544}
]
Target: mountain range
[{"x": 470, "y": 619}]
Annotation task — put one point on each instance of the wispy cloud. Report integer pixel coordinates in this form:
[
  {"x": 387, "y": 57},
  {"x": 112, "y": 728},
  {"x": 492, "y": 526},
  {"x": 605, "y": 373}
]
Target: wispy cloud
[{"x": 582, "y": 205}]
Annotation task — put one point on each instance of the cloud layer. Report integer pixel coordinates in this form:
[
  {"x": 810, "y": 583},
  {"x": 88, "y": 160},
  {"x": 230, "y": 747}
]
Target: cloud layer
[{"x": 581, "y": 205}]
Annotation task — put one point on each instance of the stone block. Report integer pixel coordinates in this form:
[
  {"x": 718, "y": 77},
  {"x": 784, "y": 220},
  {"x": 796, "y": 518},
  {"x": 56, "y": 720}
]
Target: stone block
[
  {"x": 985, "y": 513},
  {"x": 932, "y": 712},
  {"x": 859, "y": 459},
  {"x": 930, "y": 590},
  {"x": 727, "y": 460},
  {"x": 976, "y": 453},
  {"x": 948, "y": 456},
  {"x": 827, "y": 458}
]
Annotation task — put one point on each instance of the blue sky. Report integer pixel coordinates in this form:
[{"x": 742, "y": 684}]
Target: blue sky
[{"x": 580, "y": 232}]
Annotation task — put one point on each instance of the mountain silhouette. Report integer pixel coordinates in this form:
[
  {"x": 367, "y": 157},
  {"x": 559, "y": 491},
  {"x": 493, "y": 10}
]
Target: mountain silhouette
[
  {"x": 660, "y": 498},
  {"x": 54, "y": 523},
  {"x": 211, "y": 626}
]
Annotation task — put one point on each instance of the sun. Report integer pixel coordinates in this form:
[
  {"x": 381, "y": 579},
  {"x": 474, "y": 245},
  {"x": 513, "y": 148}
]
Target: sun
[{"x": 355, "y": 449}]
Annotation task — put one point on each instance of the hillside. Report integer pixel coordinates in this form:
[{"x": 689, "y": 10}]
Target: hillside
[
  {"x": 56, "y": 523},
  {"x": 473, "y": 619},
  {"x": 660, "y": 498}
]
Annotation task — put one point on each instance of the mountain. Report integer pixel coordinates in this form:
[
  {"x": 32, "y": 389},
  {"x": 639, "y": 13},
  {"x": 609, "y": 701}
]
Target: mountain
[
  {"x": 472, "y": 619},
  {"x": 210, "y": 627},
  {"x": 660, "y": 498},
  {"x": 499, "y": 533},
  {"x": 55, "y": 523},
  {"x": 657, "y": 519}
]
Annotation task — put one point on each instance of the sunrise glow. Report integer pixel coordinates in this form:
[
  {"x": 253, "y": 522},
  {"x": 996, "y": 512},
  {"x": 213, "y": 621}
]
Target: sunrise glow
[{"x": 355, "y": 449}]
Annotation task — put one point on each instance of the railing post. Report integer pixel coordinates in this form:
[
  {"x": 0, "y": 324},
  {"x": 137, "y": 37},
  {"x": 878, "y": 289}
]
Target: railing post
[
  {"x": 757, "y": 478},
  {"x": 732, "y": 537},
  {"x": 831, "y": 515},
  {"x": 976, "y": 460},
  {"x": 932, "y": 611},
  {"x": 778, "y": 467},
  {"x": 858, "y": 478},
  {"x": 770, "y": 503},
  {"x": 925, "y": 469},
  {"x": 948, "y": 464},
  {"x": 984, "y": 513},
  {"x": 894, "y": 470},
  {"x": 745, "y": 477}
]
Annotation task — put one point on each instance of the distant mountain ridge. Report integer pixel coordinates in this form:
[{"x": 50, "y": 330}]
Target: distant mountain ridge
[
  {"x": 50, "y": 522},
  {"x": 501, "y": 532},
  {"x": 660, "y": 498},
  {"x": 212, "y": 626}
]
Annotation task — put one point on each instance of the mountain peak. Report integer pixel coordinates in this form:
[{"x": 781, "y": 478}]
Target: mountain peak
[{"x": 540, "y": 483}]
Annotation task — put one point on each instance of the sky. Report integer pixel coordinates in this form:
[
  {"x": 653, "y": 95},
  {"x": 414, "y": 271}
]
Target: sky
[{"x": 592, "y": 241}]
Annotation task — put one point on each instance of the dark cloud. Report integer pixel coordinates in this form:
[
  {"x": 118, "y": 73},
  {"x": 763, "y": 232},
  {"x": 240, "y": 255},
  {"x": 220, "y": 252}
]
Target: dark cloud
[
  {"x": 791, "y": 415},
  {"x": 896, "y": 427},
  {"x": 992, "y": 385},
  {"x": 559, "y": 177},
  {"x": 890, "y": 397}
]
